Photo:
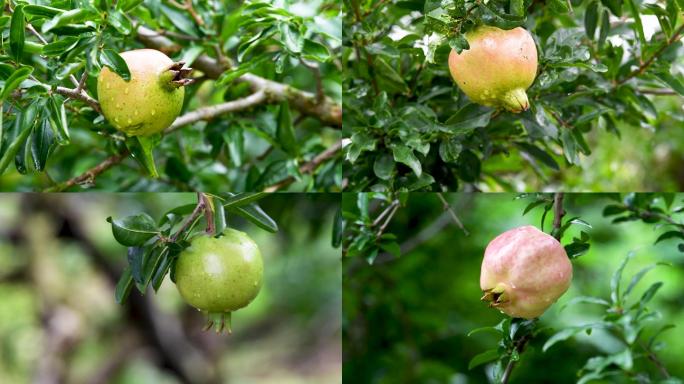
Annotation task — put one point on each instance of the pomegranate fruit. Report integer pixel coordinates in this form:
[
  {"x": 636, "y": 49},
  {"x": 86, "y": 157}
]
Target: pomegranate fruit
[
  {"x": 497, "y": 69},
  {"x": 524, "y": 271},
  {"x": 151, "y": 100}
]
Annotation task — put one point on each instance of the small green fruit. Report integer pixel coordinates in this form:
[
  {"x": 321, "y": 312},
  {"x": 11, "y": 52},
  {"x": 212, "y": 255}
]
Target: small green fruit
[
  {"x": 151, "y": 100},
  {"x": 497, "y": 69},
  {"x": 220, "y": 275}
]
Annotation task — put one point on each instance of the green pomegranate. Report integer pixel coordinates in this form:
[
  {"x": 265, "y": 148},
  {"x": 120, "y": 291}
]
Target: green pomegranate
[
  {"x": 220, "y": 275},
  {"x": 151, "y": 100},
  {"x": 497, "y": 69},
  {"x": 524, "y": 271}
]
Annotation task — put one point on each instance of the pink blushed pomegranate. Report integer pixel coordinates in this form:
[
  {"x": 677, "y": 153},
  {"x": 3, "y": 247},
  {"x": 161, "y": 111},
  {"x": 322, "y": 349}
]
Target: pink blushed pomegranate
[
  {"x": 524, "y": 271},
  {"x": 497, "y": 69}
]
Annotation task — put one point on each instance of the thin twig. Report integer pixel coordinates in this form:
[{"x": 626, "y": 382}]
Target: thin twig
[
  {"x": 384, "y": 212},
  {"x": 75, "y": 94},
  {"x": 89, "y": 175},
  {"x": 199, "y": 208},
  {"x": 388, "y": 219},
  {"x": 307, "y": 167},
  {"x": 448, "y": 208},
  {"x": 642, "y": 68},
  {"x": 81, "y": 83},
  {"x": 315, "y": 69}
]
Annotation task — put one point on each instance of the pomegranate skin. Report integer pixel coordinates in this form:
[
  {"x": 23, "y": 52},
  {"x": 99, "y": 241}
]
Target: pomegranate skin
[
  {"x": 524, "y": 271},
  {"x": 497, "y": 69}
]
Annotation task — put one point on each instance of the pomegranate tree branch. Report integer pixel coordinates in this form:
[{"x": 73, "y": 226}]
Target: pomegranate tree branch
[
  {"x": 448, "y": 208},
  {"x": 327, "y": 110},
  {"x": 642, "y": 68},
  {"x": 79, "y": 95},
  {"x": 199, "y": 208},
  {"x": 308, "y": 167},
  {"x": 89, "y": 175},
  {"x": 212, "y": 111}
]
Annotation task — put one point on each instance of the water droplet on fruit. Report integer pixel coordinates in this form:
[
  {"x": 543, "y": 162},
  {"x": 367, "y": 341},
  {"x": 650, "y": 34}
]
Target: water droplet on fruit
[
  {"x": 130, "y": 121},
  {"x": 154, "y": 112}
]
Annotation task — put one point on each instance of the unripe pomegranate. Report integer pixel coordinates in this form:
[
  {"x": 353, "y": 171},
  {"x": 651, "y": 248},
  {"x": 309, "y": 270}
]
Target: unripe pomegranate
[
  {"x": 151, "y": 100},
  {"x": 497, "y": 69},
  {"x": 524, "y": 272}
]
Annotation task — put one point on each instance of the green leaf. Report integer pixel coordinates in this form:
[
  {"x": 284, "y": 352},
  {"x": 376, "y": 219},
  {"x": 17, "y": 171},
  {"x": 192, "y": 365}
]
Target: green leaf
[
  {"x": 256, "y": 215},
  {"x": 291, "y": 38},
  {"x": 391, "y": 247},
  {"x": 219, "y": 217},
  {"x": 404, "y": 155},
  {"x": 42, "y": 143},
  {"x": 383, "y": 167},
  {"x": 315, "y": 51},
  {"x": 120, "y": 22},
  {"x": 18, "y": 143},
  {"x": 285, "y": 134},
  {"x": 591, "y": 19},
  {"x": 483, "y": 357},
  {"x": 135, "y": 257},
  {"x": 41, "y": 11},
  {"x": 539, "y": 154},
  {"x": 449, "y": 150},
  {"x": 116, "y": 63},
  {"x": 670, "y": 235},
  {"x": 469, "y": 166},
  {"x": 470, "y": 116},
  {"x": 14, "y": 81},
  {"x": 68, "y": 17},
  {"x": 338, "y": 228},
  {"x": 233, "y": 137},
  {"x": 123, "y": 287},
  {"x": 57, "y": 118},
  {"x": 17, "y": 33},
  {"x": 135, "y": 230},
  {"x": 60, "y": 46},
  {"x": 141, "y": 148},
  {"x": 240, "y": 199},
  {"x": 671, "y": 81},
  {"x": 181, "y": 20},
  {"x": 615, "y": 6},
  {"x": 638, "y": 26}
]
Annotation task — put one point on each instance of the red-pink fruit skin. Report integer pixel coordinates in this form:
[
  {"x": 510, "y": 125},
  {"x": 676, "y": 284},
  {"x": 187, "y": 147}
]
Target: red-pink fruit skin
[
  {"x": 531, "y": 266},
  {"x": 497, "y": 62}
]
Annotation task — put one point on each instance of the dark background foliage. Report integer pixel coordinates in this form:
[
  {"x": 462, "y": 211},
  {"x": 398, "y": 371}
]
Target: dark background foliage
[
  {"x": 272, "y": 66},
  {"x": 605, "y": 107},
  {"x": 407, "y": 318}
]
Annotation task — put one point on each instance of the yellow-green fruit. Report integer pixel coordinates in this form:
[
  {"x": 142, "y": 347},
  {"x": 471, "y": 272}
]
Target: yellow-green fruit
[
  {"x": 220, "y": 274},
  {"x": 150, "y": 101},
  {"x": 497, "y": 69}
]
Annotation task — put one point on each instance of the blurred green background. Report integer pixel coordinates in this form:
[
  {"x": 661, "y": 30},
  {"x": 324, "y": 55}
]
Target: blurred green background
[
  {"x": 406, "y": 320},
  {"x": 59, "y": 322}
]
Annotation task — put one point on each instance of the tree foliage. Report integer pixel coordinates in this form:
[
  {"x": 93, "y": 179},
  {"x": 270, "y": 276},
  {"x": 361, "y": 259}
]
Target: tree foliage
[
  {"x": 603, "y": 65},
  {"x": 263, "y": 113}
]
